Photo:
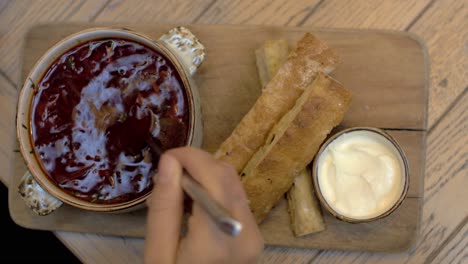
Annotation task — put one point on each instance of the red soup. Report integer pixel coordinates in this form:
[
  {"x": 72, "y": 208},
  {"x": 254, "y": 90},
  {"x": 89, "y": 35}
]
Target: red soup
[{"x": 92, "y": 112}]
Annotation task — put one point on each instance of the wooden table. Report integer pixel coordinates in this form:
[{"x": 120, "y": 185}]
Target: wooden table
[{"x": 441, "y": 23}]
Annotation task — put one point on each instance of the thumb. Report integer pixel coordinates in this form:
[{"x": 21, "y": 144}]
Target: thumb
[{"x": 165, "y": 208}]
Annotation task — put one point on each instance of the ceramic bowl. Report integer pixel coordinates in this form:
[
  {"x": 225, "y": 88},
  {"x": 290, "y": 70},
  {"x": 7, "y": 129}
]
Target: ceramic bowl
[
  {"x": 327, "y": 198},
  {"x": 179, "y": 45}
]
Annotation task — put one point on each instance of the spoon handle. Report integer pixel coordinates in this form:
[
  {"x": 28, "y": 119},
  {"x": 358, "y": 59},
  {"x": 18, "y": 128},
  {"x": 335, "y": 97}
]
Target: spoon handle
[{"x": 220, "y": 216}]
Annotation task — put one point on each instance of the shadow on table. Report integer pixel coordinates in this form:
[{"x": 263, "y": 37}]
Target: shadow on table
[{"x": 21, "y": 244}]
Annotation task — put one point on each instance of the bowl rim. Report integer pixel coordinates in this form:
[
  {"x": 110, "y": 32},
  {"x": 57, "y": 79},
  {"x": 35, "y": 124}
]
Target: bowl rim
[
  {"x": 316, "y": 184},
  {"x": 26, "y": 95}
]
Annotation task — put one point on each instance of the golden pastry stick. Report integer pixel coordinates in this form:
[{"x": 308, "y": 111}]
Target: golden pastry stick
[
  {"x": 270, "y": 56},
  {"x": 303, "y": 206},
  {"x": 293, "y": 142},
  {"x": 279, "y": 96}
]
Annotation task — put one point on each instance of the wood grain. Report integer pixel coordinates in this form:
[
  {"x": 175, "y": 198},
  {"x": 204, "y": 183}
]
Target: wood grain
[
  {"x": 92, "y": 248},
  {"x": 287, "y": 255},
  {"x": 3, "y": 5},
  {"x": 443, "y": 211},
  {"x": 456, "y": 248},
  {"x": 261, "y": 12},
  {"x": 445, "y": 138},
  {"x": 440, "y": 23},
  {"x": 161, "y": 12},
  {"x": 444, "y": 28},
  {"x": 18, "y": 16},
  {"x": 220, "y": 85},
  {"x": 380, "y": 14},
  {"x": 446, "y": 180},
  {"x": 366, "y": 70},
  {"x": 7, "y": 104}
]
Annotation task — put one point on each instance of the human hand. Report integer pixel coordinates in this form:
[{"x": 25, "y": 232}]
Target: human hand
[{"x": 204, "y": 241}]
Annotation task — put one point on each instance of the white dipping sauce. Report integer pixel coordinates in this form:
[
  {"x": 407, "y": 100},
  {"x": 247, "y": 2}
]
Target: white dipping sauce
[{"x": 361, "y": 174}]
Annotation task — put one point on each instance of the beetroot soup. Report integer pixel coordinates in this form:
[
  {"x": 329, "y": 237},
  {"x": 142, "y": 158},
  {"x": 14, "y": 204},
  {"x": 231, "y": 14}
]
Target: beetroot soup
[{"x": 92, "y": 112}]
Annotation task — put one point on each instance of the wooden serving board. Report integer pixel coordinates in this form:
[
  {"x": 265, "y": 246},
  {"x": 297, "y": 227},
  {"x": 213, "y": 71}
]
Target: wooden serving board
[{"x": 386, "y": 71}]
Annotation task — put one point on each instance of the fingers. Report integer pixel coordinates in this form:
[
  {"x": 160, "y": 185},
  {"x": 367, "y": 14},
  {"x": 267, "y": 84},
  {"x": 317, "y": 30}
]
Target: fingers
[
  {"x": 222, "y": 182},
  {"x": 204, "y": 242},
  {"x": 218, "y": 178},
  {"x": 165, "y": 208}
]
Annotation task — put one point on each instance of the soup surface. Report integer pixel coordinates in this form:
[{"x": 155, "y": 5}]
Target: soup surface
[{"x": 92, "y": 112}]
